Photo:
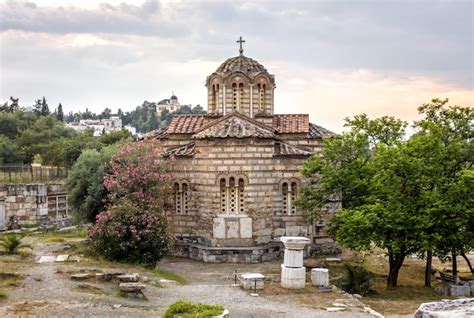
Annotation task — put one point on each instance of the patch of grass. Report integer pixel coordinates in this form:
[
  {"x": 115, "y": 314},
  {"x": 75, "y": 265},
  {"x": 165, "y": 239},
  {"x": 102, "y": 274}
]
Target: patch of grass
[
  {"x": 168, "y": 275},
  {"x": 3, "y": 294},
  {"x": 61, "y": 237},
  {"x": 187, "y": 309},
  {"x": 53, "y": 239},
  {"x": 10, "y": 279}
]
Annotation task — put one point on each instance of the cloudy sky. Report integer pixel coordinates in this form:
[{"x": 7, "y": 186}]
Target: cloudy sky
[{"x": 331, "y": 59}]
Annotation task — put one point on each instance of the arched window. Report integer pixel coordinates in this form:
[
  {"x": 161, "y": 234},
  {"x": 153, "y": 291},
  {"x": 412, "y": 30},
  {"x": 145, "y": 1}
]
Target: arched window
[
  {"x": 284, "y": 192},
  {"x": 261, "y": 96},
  {"x": 215, "y": 97},
  {"x": 177, "y": 198},
  {"x": 181, "y": 197},
  {"x": 234, "y": 96},
  {"x": 223, "y": 196},
  {"x": 232, "y": 195},
  {"x": 289, "y": 193},
  {"x": 241, "y": 195},
  {"x": 241, "y": 97}
]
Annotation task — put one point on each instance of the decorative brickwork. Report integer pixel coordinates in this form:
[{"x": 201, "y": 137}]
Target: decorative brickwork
[{"x": 242, "y": 168}]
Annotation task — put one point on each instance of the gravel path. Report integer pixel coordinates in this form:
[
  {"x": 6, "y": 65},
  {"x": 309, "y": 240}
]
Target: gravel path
[{"x": 47, "y": 293}]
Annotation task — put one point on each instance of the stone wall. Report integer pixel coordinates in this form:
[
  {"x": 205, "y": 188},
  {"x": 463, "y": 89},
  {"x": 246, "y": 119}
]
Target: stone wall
[
  {"x": 28, "y": 204},
  {"x": 263, "y": 220}
]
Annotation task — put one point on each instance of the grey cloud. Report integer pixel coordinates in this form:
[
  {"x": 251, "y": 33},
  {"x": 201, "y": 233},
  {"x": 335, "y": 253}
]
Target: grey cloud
[
  {"x": 433, "y": 38},
  {"x": 145, "y": 19}
]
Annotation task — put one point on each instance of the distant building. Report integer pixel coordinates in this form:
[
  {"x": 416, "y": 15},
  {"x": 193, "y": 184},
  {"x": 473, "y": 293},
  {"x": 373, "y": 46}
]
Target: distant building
[
  {"x": 100, "y": 126},
  {"x": 170, "y": 104},
  {"x": 132, "y": 130}
]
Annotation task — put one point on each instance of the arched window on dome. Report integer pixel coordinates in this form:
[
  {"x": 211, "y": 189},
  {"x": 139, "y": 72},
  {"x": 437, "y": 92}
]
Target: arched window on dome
[
  {"x": 215, "y": 97},
  {"x": 241, "y": 97},
  {"x": 261, "y": 96},
  {"x": 234, "y": 97}
]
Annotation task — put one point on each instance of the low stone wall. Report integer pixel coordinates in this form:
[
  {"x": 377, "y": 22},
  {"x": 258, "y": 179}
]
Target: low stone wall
[
  {"x": 31, "y": 204},
  {"x": 209, "y": 254}
]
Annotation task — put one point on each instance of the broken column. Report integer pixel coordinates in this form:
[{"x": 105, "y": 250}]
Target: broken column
[{"x": 293, "y": 273}]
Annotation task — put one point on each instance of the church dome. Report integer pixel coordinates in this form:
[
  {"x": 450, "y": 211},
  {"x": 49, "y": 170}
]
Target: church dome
[
  {"x": 173, "y": 97},
  {"x": 243, "y": 64}
]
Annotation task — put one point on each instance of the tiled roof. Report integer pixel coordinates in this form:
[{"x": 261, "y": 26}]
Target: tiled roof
[
  {"x": 234, "y": 125},
  {"x": 291, "y": 123},
  {"x": 284, "y": 123},
  {"x": 181, "y": 151},
  {"x": 161, "y": 133},
  {"x": 284, "y": 149},
  {"x": 185, "y": 124},
  {"x": 316, "y": 131}
]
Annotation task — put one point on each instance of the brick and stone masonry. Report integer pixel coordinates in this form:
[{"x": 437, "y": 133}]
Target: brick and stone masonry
[{"x": 237, "y": 170}]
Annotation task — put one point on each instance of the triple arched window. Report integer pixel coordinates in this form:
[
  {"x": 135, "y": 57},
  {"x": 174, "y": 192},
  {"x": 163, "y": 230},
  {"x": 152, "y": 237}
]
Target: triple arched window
[
  {"x": 181, "y": 197},
  {"x": 289, "y": 192},
  {"x": 237, "y": 96},
  {"x": 232, "y": 195}
]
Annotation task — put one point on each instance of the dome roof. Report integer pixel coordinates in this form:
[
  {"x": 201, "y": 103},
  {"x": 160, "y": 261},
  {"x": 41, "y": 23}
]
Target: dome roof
[
  {"x": 173, "y": 97},
  {"x": 241, "y": 63}
]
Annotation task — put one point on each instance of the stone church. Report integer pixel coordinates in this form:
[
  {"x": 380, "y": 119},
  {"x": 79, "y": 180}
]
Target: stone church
[{"x": 237, "y": 169}]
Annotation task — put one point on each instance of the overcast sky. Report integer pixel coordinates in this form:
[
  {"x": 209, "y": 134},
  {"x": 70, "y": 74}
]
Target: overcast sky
[{"x": 331, "y": 59}]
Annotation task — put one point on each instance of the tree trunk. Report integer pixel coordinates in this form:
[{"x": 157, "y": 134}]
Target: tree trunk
[
  {"x": 455, "y": 264},
  {"x": 468, "y": 262},
  {"x": 395, "y": 263},
  {"x": 429, "y": 259}
]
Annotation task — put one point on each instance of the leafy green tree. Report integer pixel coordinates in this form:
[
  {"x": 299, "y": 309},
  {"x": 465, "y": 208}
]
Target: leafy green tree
[
  {"x": 115, "y": 136},
  {"x": 445, "y": 138},
  {"x": 87, "y": 195},
  {"x": 105, "y": 113},
  {"x": 353, "y": 170},
  {"x": 39, "y": 138},
  {"x": 9, "y": 151},
  {"x": 405, "y": 197}
]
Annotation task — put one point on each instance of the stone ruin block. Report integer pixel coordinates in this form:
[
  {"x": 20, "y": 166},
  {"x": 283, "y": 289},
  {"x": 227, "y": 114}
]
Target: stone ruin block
[
  {"x": 320, "y": 277},
  {"x": 250, "y": 280},
  {"x": 460, "y": 290}
]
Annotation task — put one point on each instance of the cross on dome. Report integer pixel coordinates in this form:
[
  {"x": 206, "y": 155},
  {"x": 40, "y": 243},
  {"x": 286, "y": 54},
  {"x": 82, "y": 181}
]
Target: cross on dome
[{"x": 240, "y": 41}]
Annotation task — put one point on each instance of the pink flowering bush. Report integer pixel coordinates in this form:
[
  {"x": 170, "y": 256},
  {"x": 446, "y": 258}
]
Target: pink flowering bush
[{"x": 135, "y": 227}]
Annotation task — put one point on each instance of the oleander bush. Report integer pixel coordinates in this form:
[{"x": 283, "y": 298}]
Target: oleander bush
[{"x": 135, "y": 227}]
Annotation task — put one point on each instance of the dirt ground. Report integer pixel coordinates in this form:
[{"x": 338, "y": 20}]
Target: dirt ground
[{"x": 48, "y": 291}]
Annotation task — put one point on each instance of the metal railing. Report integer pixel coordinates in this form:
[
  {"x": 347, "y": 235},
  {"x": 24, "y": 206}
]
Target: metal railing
[{"x": 14, "y": 173}]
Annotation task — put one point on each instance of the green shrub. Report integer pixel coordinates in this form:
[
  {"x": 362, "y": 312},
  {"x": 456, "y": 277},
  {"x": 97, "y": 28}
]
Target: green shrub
[
  {"x": 187, "y": 309},
  {"x": 356, "y": 280},
  {"x": 125, "y": 233},
  {"x": 87, "y": 194},
  {"x": 12, "y": 244}
]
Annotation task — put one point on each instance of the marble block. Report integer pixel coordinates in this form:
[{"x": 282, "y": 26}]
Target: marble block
[
  {"x": 294, "y": 242},
  {"x": 293, "y": 258},
  {"x": 320, "y": 277},
  {"x": 293, "y": 278},
  {"x": 248, "y": 280}
]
